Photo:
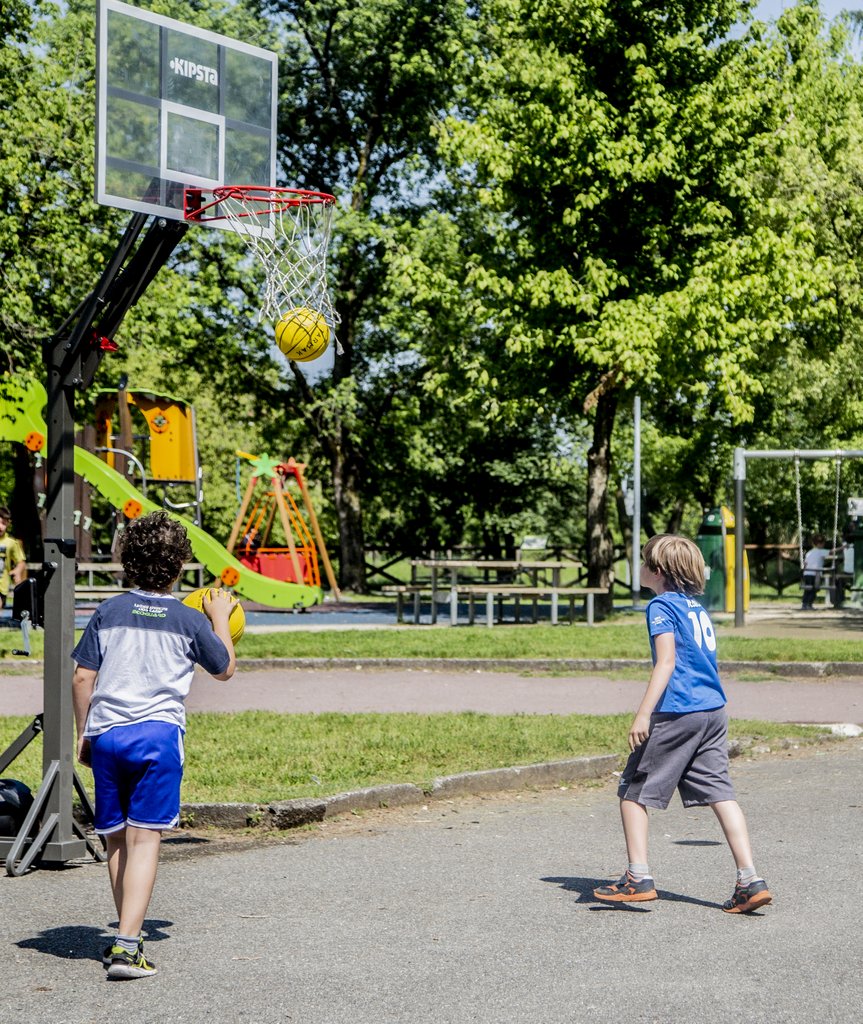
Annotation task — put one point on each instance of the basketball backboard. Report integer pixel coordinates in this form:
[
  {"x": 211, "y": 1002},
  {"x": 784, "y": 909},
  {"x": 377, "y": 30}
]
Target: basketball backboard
[{"x": 178, "y": 107}]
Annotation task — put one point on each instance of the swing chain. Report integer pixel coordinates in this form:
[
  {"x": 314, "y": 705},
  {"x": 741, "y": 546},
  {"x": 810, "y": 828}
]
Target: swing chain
[
  {"x": 836, "y": 506},
  {"x": 799, "y": 511}
]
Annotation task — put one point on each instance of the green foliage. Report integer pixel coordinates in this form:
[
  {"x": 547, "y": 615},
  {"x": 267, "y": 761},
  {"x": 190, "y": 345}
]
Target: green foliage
[
  {"x": 194, "y": 331},
  {"x": 807, "y": 183},
  {"x": 639, "y": 202},
  {"x": 362, "y": 90},
  {"x": 611, "y": 145},
  {"x": 634, "y": 201},
  {"x": 53, "y": 237}
]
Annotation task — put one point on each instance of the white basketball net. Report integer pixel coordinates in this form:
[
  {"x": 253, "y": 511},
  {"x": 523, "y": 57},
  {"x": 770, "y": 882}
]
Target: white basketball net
[{"x": 288, "y": 232}]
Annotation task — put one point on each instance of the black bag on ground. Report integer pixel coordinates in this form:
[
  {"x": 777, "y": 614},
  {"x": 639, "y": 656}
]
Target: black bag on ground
[{"x": 15, "y": 801}]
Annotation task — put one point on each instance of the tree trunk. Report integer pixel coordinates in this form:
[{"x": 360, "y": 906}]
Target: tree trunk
[
  {"x": 600, "y": 544},
  {"x": 346, "y": 498},
  {"x": 345, "y": 468},
  {"x": 675, "y": 519}
]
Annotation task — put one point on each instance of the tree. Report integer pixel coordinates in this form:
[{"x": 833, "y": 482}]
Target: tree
[
  {"x": 613, "y": 143},
  {"x": 813, "y": 177},
  {"x": 804, "y": 184},
  {"x": 193, "y": 331},
  {"x": 361, "y": 88}
]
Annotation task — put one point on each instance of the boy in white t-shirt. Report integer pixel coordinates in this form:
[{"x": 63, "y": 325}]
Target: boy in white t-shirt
[{"x": 134, "y": 667}]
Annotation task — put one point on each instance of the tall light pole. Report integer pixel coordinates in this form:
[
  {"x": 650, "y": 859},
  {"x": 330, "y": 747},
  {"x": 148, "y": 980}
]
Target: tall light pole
[{"x": 636, "y": 503}]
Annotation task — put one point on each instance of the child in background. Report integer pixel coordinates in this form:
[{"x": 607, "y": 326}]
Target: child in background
[
  {"x": 134, "y": 667},
  {"x": 679, "y": 736},
  {"x": 13, "y": 566},
  {"x": 813, "y": 566}
]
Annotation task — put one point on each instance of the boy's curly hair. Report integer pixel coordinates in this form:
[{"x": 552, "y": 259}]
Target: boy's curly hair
[
  {"x": 678, "y": 560},
  {"x": 153, "y": 549}
]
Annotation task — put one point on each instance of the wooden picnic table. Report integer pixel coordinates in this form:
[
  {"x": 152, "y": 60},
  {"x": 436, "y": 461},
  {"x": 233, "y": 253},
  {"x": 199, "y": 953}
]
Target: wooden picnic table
[
  {"x": 452, "y": 568},
  {"x": 493, "y": 593},
  {"x": 493, "y": 579}
]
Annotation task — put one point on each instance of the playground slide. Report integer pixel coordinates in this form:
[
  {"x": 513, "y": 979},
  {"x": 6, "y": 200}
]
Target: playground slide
[
  {"x": 21, "y": 417},
  {"x": 209, "y": 552}
]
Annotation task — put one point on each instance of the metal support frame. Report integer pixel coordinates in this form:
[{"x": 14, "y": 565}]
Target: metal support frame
[
  {"x": 72, "y": 357},
  {"x": 132, "y": 458},
  {"x": 739, "y": 466},
  {"x": 636, "y": 503}
]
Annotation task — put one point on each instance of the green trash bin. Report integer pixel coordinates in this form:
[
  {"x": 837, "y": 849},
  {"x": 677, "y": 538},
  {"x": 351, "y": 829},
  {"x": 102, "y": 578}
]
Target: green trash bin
[
  {"x": 715, "y": 541},
  {"x": 854, "y": 535},
  {"x": 711, "y": 544}
]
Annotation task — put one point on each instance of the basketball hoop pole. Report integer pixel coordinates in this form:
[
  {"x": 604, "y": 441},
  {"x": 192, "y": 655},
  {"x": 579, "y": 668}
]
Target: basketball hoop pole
[{"x": 72, "y": 357}]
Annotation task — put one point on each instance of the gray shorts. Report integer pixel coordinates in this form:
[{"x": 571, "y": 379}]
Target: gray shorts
[{"x": 688, "y": 752}]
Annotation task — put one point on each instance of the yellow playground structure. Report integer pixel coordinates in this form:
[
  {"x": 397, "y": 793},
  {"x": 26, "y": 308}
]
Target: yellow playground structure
[{"x": 171, "y": 428}]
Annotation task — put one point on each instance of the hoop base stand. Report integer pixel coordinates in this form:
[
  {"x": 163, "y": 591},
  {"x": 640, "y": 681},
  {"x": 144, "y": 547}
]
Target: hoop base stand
[
  {"x": 22, "y": 850},
  {"x": 72, "y": 356}
]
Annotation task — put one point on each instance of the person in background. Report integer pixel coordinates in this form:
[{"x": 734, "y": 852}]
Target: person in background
[
  {"x": 813, "y": 566},
  {"x": 13, "y": 564}
]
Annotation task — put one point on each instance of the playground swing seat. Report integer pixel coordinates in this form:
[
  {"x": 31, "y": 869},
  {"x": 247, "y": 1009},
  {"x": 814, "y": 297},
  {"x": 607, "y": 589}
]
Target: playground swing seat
[{"x": 828, "y": 568}]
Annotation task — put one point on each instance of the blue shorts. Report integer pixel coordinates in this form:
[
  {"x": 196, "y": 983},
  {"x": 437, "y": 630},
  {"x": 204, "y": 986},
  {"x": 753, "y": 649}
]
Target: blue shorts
[{"x": 137, "y": 770}]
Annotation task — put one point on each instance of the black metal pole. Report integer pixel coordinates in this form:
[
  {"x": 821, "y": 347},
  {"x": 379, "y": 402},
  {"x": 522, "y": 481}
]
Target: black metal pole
[{"x": 58, "y": 738}]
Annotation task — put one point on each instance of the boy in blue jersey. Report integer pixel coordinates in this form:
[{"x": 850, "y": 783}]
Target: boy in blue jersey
[
  {"x": 679, "y": 736},
  {"x": 133, "y": 670}
]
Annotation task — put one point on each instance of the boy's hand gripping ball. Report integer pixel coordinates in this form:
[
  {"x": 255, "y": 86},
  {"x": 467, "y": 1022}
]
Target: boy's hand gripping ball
[
  {"x": 236, "y": 620},
  {"x": 302, "y": 334}
]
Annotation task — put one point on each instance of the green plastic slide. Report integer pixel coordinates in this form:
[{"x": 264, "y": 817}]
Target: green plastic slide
[{"x": 21, "y": 415}]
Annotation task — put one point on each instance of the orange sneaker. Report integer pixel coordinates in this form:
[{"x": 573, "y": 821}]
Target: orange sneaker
[
  {"x": 748, "y": 897},
  {"x": 627, "y": 890}
]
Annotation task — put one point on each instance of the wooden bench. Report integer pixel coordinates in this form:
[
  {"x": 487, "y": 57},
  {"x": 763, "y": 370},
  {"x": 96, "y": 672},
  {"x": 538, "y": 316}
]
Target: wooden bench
[
  {"x": 493, "y": 593},
  {"x": 99, "y": 591}
]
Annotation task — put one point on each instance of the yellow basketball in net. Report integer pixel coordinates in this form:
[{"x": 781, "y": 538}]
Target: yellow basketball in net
[
  {"x": 237, "y": 620},
  {"x": 302, "y": 334}
]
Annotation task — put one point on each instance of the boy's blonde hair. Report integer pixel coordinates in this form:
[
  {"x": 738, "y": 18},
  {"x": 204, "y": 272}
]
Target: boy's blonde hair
[{"x": 677, "y": 560}]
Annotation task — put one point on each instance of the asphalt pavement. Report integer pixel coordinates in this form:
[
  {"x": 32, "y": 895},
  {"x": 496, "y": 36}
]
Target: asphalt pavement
[
  {"x": 476, "y": 910},
  {"x": 360, "y": 688}
]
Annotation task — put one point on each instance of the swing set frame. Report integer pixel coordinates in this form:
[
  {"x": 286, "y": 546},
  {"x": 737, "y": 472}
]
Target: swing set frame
[{"x": 741, "y": 455}]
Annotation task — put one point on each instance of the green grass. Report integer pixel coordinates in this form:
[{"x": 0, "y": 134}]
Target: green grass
[
  {"x": 524, "y": 641},
  {"x": 740, "y": 648},
  {"x": 257, "y": 756},
  {"x": 10, "y": 640}
]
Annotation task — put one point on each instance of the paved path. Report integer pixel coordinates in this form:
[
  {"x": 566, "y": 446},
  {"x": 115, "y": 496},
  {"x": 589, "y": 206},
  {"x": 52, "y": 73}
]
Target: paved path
[
  {"x": 358, "y": 689},
  {"x": 477, "y": 911}
]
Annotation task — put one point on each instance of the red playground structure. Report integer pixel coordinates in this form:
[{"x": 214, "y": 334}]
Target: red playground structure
[{"x": 298, "y": 561}]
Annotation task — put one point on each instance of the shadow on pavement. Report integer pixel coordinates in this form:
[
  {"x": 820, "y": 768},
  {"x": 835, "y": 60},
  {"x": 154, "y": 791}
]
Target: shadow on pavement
[
  {"x": 83, "y": 942},
  {"x": 73, "y": 942},
  {"x": 585, "y": 886}
]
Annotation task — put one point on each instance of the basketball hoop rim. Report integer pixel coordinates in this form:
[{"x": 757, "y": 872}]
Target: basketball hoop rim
[{"x": 259, "y": 200}]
